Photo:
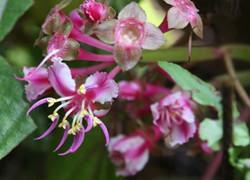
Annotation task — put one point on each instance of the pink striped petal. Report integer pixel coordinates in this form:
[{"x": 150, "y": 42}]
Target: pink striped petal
[{"x": 61, "y": 79}]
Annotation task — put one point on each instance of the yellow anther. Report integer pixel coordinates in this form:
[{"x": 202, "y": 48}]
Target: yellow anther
[
  {"x": 64, "y": 124},
  {"x": 51, "y": 101},
  {"x": 96, "y": 121},
  {"x": 81, "y": 89},
  {"x": 84, "y": 113},
  {"x": 53, "y": 116}
]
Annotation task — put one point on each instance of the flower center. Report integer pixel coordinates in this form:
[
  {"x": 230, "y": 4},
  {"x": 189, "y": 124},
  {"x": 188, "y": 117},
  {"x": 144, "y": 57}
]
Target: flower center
[{"x": 130, "y": 32}]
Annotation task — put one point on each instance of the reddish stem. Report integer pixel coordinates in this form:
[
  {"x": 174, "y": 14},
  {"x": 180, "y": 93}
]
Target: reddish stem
[
  {"x": 89, "y": 70},
  {"x": 114, "y": 72},
  {"x": 86, "y": 39},
  {"x": 89, "y": 56}
]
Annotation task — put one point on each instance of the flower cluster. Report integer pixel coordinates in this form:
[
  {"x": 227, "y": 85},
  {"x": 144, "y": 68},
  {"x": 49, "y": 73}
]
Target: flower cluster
[{"x": 84, "y": 95}]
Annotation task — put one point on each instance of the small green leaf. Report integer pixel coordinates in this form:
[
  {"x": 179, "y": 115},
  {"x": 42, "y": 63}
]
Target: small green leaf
[
  {"x": 241, "y": 134},
  {"x": 10, "y": 11},
  {"x": 211, "y": 132},
  {"x": 202, "y": 92},
  {"x": 14, "y": 124},
  {"x": 236, "y": 159}
]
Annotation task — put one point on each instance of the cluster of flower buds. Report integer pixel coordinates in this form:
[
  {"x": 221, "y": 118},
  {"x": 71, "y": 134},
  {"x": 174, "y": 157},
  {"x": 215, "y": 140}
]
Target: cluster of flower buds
[{"x": 85, "y": 94}]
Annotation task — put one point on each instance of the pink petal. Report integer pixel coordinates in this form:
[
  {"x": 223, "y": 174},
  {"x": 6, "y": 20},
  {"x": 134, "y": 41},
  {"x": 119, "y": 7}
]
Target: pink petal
[
  {"x": 101, "y": 88},
  {"x": 37, "y": 80},
  {"x": 133, "y": 10},
  {"x": 127, "y": 57},
  {"x": 182, "y": 133},
  {"x": 106, "y": 31},
  {"x": 154, "y": 38},
  {"x": 175, "y": 19},
  {"x": 61, "y": 79}
]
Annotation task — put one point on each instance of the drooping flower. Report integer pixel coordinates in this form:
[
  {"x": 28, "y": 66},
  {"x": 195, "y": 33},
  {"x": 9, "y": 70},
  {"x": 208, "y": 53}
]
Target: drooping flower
[
  {"x": 84, "y": 103},
  {"x": 183, "y": 13},
  {"x": 130, "y": 34},
  {"x": 175, "y": 118},
  {"x": 37, "y": 80},
  {"x": 129, "y": 154}
]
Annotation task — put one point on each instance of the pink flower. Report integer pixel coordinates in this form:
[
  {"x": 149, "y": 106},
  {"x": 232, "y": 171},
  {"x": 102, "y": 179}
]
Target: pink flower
[
  {"x": 84, "y": 102},
  {"x": 182, "y": 13},
  {"x": 130, "y": 33},
  {"x": 95, "y": 11},
  {"x": 175, "y": 118},
  {"x": 37, "y": 80},
  {"x": 129, "y": 90},
  {"x": 129, "y": 154}
]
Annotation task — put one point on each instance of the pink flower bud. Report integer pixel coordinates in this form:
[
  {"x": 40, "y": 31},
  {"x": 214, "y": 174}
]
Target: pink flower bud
[{"x": 95, "y": 11}]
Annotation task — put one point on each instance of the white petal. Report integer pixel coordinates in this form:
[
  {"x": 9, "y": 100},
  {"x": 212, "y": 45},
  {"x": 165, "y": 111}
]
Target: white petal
[
  {"x": 176, "y": 19},
  {"x": 154, "y": 38},
  {"x": 133, "y": 10},
  {"x": 171, "y": 2}
]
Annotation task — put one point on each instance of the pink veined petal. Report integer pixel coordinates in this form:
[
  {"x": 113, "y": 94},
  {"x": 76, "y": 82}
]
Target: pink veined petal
[
  {"x": 129, "y": 90},
  {"x": 188, "y": 115},
  {"x": 181, "y": 133},
  {"x": 61, "y": 79},
  {"x": 127, "y": 57},
  {"x": 50, "y": 129},
  {"x": 133, "y": 10},
  {"x": 105, "y": 132},
  {"x": 154, "y": 38},
  {"x": 37, "y": 104},
  {"x": 34, "y": 90},
  {"x": 101, "y": 88},
  {"x": 63, "y": 139},
  {"x": 175, "y": 19}
]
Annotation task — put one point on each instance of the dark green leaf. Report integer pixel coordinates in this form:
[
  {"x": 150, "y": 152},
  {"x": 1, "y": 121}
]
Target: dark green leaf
[
  {"x": 10, "y": 11},
  {"x": 14, "y": 124}
]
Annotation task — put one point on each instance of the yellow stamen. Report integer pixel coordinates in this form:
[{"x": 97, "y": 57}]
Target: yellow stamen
[
  {"x": 82, "y": 89},
  {"x": 96, "y": 121},
  {"x": 64, "y": 124},
  {"x": 51, "y": 101},
  {"x": 53, "y": 116}
]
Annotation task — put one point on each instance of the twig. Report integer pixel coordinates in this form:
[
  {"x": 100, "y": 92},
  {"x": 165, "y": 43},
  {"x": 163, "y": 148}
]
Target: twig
[
  {"x": 231, "y": 71},
  {"x": 227, "y": 103}
]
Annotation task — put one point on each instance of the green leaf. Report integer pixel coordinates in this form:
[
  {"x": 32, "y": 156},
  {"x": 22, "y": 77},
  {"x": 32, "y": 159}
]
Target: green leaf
[
  {"x": 89, "y": 162},
  {"x": 247, "y": 177},
  {"x": 211, "y": 132},
  {"x": 202, "y": 92},
  {"x": 236, "y": 159},
  {"x": 241, "y": 135},
  {"x": 14, "y": 124},
  {"x": 10, "y": 11}
]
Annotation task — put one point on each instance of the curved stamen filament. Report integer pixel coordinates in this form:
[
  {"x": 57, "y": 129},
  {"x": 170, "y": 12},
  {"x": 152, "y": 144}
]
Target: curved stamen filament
[
  {"x": 47, "y": 58},
  {"x": 61, "y": 106}
]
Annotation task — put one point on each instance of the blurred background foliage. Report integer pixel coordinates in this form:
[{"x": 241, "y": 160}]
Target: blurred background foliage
[{"x": 36, "y": 161}]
